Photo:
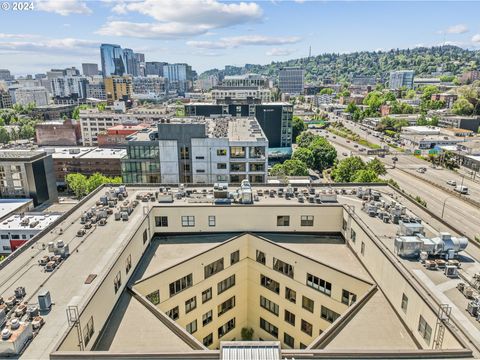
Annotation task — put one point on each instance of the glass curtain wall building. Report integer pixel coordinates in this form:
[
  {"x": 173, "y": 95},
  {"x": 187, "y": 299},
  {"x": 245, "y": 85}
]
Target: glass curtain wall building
[{"x": 113, "y": 60}]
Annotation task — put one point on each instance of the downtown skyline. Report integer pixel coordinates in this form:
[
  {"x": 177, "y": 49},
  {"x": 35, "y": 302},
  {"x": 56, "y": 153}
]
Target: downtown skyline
[{"x": 68, "y": 33}]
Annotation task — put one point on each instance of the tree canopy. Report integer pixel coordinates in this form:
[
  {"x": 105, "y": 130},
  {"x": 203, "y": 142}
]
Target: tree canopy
[{"x": 81, "y": 185}]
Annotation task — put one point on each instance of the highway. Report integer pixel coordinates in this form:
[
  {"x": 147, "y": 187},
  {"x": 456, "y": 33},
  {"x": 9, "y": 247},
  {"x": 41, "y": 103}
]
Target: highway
[{"x": 463, "y": 215}]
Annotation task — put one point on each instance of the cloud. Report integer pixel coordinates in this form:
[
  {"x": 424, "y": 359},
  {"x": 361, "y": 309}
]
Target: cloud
[
  {"x": 175, "y": 19},
  {"x": 455, "y": 29},
  {"x": 63, "y": 7},
  {"x": 47, "y": 46},
  {"x": 16, "y": 36},
  {"x": 280, "y": 52},
  {"x": 245, "y": 40},
  {"x": 476, "y": 38}
]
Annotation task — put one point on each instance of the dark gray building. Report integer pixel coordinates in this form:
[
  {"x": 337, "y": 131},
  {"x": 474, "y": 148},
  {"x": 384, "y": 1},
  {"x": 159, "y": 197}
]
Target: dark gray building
[
  {"x": 89, "y": 69},
  {"x": 154, "y": 68},
  {"x": 27, "y": 174},
  {"x": 291, "y": 80},
  {"x": 275, "y": 118}
]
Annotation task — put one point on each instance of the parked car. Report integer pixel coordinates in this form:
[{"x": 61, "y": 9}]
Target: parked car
[{"x": 452, "y": 182}]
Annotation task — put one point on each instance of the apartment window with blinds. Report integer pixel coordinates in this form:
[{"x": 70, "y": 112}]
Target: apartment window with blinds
[
  {"x": 117, "y": 282},
  {"x": 190, "y": 304},
  {"x": 174, "y": 313},
  {"x": 290, "y": 317},
  {"x": 306, "y": 327},
  {"x": 283, "y": 267},
  {"x": 260, "y": 257},
  {"x": 348, "y": 298},
  {"x": 329, "y": 315},
  {"x": 269, "y": 305},
  {"x": 161, "y": 221},
  {"x": 290, "y": 295},
  {"x": 283, "y": 220},
  {"x": 208, "y": 340},
  {"x": 319, "y": 284},
  {"x": 128, "y": 263},
  {"x": 353, "y": 235},
  {"x": 226, "y": 328},
  {"x": 225, "y": 284},
  {"x": 213, "y": 268},
  {"x": 404, "y": 303},
  {"x": 307, "y": 304},
  {"x": 181, "y": 284},
  {"x": 288, "y": 340},
  {"x": 270, "y": 284},
  {"x": 424, "y": 329},
  {"x": 306, "y": 220},
  {"x": 211, "y": 220},
  {"x": 88, "y": 330},
  {"x": 206, "y": 295},
  {"x": 226, "y": 305},
  {"x": 192, "y": 327},
  {"x": 234, "y": 257},
  {"x": 269, "y": 328},
  {"x": 207, "y": 317},
  {"x": 188, "y": 221}
]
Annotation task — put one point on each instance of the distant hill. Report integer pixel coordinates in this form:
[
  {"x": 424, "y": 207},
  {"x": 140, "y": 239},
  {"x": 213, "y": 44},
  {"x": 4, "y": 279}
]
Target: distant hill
[{"x": 424, "y": 61}]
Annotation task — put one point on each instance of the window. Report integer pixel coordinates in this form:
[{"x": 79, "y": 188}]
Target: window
[
  {"x": 424, "y": 329},
  {"x": 88, "y": 330},
  {"x": 307, "y": 304},
  {"x": 221, "y": 152},
  {"x": 362, "y": 249},
  {"x": 117, "y": 282},
  {"x": 225, "y": 328},
  {"x": 306, "y": 220},
  {"x": 404, "y": 303},
  {"x": 260, "y": 257},
  {"x": 206, "y": 295},
  {"x": 290, "y": 295},
  {"x": 207, "y": 317},
  {"x": 268, "y": 305},
  {"x": 211, "y": 220},
  {"x": 269, "y": 328},
  {"x": 303, "y": 346},
  {"x": 329, "y": 315},
  {"x": 306, "y": 327},
  {"x": 184, "y": 153},
  {"x": 208, "y": 340},
  {"x": 145, "y": 236},
  {"x": 283, "y": 267},
  {"x": 225, "y": 284},
  {"x": 270, "y": 284},
  {"x": 188, "y": 221},
  {"x": 181, "y": 284},
  {"x": 173, "y": 313},
  {"x": 288, "y": 340},
  {"x": 200, "y": 171},
  {"x": 4, "y": 237},
  {"x": 161, "y": 221},
  {"x": 221, "y": 166},
  {"x": 154, "y": 297},
  {"x": 128, "y": 263},
  {"x": 348, "y": 298},
  {"x": 226, "y": 305},
  {"x": 234, "y": 257},
  {"x": 199, "y": 158},
  {"x": 290, "y": 317},
  {"x": 344, "y": 224},
  {"x": 192, "y": 327},
  {"x": 319, "y": 284},
  {"x": 190, "y": 304},
  {"x": 238, "y": 167},
  {"x": 353, "y": 235},
  {"x": 213, "y": 268},
  {"x": 283, "y": 220},
  {"x": 237, "y": 152}
]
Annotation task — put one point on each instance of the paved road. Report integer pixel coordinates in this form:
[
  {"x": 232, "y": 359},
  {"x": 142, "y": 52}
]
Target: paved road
[{"x": 460, "y": 214}]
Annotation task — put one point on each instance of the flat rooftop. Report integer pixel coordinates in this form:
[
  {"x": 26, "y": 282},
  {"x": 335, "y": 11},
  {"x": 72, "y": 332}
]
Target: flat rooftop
[
  {"x": 8, "y": 206},
  {"x": 28, "y": 221},
  {"x": 21, "y": 155},
  {"x": 77, "y": 152}
]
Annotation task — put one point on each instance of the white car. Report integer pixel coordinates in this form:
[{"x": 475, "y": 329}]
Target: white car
[{"x": 452, "y": 182}]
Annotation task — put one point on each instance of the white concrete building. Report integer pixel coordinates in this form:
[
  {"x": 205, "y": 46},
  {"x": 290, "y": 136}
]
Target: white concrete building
[
  {"x": 34, "y": 94},
  {"x": 264, "y": 95}
]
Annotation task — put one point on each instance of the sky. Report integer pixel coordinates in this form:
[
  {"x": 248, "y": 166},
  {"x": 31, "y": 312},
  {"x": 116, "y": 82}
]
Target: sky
[{"x": 212, "y": 33}]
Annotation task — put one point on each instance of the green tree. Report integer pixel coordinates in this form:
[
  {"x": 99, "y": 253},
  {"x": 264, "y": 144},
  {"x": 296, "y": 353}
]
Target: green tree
[
  {"x": 305, "y": 155},
  {"x": 76, "y": 111},
  {"x": 365, "y": 176},
  {"x": 351, "y": 108},
  {"x": 326, "y": 91},
  {"x": 298, "y": 126},
  {"x": 462, "y": 107},
  {"x": 95, "y": 180},
  {"x": 447, "y": 78},
  {"x": 410, "y": 94},
  {"x": 377, "y": 166},
  {"x": 324, "y": 154},
  {"x": 4, "y": 136},
  {"x": 305, "y": 139},
  {"x": 78, "y": 183},
  {"x": 346, "y": 169},
  {"x": 290, "y": 168},
  {"x": 27, "y": 131},
  {"x": 428, "y": 91}
]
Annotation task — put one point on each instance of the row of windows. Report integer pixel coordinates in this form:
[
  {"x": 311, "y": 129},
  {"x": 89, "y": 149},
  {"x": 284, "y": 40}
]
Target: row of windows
[{"x": 305, "y": 220}]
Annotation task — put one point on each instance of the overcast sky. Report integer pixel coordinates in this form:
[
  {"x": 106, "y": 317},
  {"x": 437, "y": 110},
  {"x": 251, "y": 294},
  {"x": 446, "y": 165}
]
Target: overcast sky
[{"x": 210, "y": 33}]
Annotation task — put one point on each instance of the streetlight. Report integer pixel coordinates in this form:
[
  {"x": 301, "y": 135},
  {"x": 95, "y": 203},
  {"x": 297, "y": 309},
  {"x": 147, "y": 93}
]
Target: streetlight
[{"x": 444, "y": 202}]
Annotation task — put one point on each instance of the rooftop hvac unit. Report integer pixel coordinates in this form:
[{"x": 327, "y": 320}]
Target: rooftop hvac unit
[{"x": 44, "y": 301}]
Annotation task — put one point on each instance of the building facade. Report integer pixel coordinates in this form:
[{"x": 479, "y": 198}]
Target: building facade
[
  {"x": 117, "y": 136},
  {"x": 112, "y": 58},
  {"x": 69, "y": 89},
  {"x": 118, "y": 88},
  {"x": 198, "y": 150},
  {"x": 58, "y": 133},
  {"x": 5, "y": 100},
  {"x": 291, "y": 80},
  {"x": 401, "y": 78},
  {"x": 89, "y": 69},
  {"x": 27, "y": 174},
  {"x": 26, "y": 95}
]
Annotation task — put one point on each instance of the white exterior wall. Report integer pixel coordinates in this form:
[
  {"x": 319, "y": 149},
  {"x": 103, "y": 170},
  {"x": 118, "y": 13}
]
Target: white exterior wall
[
  {"x": 169, "y": 171},
  {"x": 207, "y": 148}
]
